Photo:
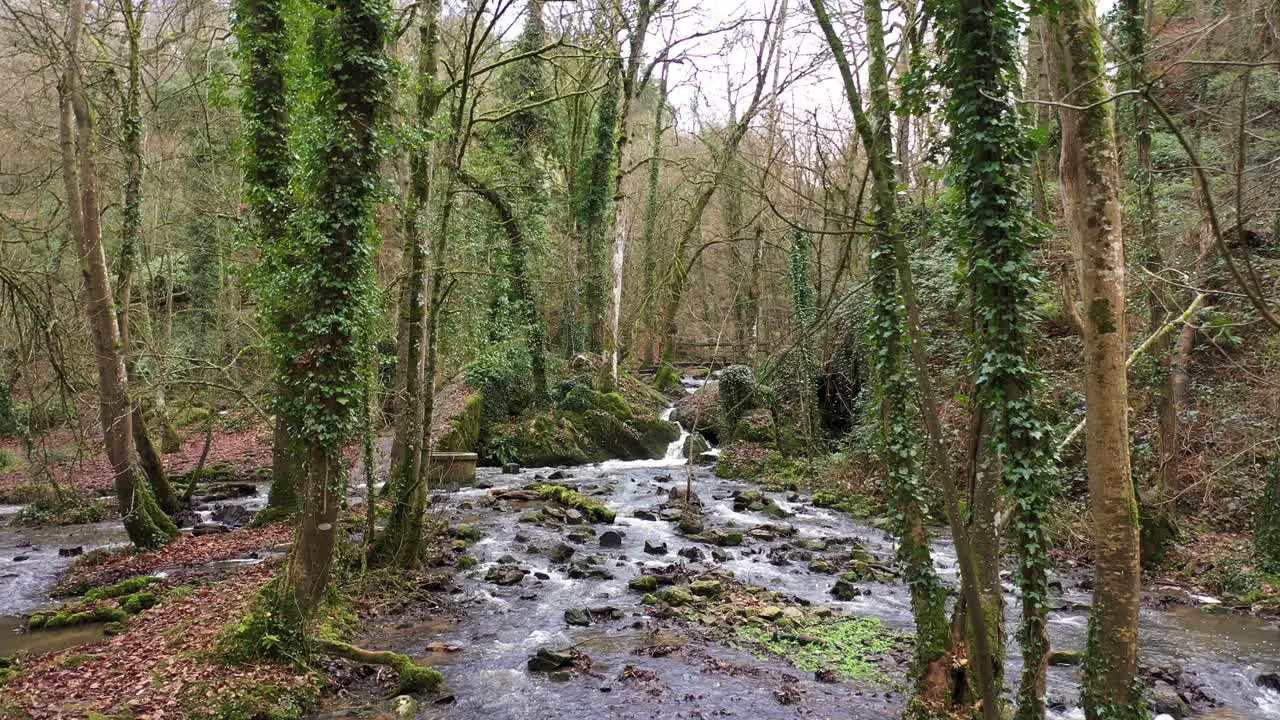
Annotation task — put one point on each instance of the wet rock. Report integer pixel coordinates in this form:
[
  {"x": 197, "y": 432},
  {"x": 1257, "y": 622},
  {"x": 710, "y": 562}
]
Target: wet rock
[
  {"x": 405, "y": 707},
  {"x": 505, "y": 575},
  {"x": 577, "y": 616},
  {"x": 586, "y": 569},
  {"x": 463, "y": 531},
  {"x": 186, "y": 518},
  {"x": 689, "y": 524},
  {"x": 674, "y": 597},
  {"x": 706, "y": 588},
  {"x": 573, "y": 516},
  {"x": 578, "y": 536},
  {"x": 209, "y": 528},
  {"x": 231, "y": 515},
  {"x": 560, "y": 475},
  {"x": 511, "y": 468},
  {"x": 71, "y": 551},
  {"x": 1165, "y": 700},
  {"x": 720, "y": 555},
  {"x": 549, "y": 661},
  {"x": 507, "y": 560},
  {"x": 645, "y": 515},
  {"x": 653, "y": 548},
  {"x": 692, "y": 553},
  {"x": 826, "y": 676},
  {"x": 605, "y": 612},
  {"x": 1271, "y": 681},
  {"x": 21, "y": 558},
  {"x": 560, "y": 552},
  {"x": 821, "y": 566},
  {"x": 643, "y": 583},
  {"x": 542, "y": 576},
  {"x": 1064, "y": 658},
  {"x": 610, "y": 539},
  {"x": 770, "y": 613},
  {"x": 724, "y": 538},
  {"x": 846, "y": 590}
]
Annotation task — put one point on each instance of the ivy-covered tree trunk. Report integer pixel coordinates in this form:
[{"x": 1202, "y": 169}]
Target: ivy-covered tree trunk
[
  {"x": 1090, "y": 176},
  {"x": 322, "y": 357},
  {"x": 593, "y": 212},
  {"x": 401, "y": 543},
  {"x": 263, "y": 44},
  {"x": 147, "y": 525},
  {"x": 894, "y": 306},
  {"x": 990, "y": 158}
]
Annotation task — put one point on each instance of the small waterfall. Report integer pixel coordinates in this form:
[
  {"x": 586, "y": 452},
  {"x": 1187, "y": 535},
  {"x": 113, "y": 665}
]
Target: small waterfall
[{"x": 675, "y": 451}]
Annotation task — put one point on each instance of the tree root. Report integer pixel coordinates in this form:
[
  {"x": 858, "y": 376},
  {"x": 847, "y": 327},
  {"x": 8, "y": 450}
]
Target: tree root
[{"x": 414, "y": 678}]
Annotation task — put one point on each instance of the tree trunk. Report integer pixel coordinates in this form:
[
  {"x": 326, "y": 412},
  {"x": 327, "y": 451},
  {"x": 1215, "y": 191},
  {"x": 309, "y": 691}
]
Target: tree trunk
[
  {"x": 402, "y": 541},
  {"x": 1090, "y": 177},
  {"x": 148, "y": 527}
]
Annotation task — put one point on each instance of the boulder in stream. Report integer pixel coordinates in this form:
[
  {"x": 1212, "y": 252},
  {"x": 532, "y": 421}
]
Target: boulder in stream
[
  {"x": 577, "y": 616},
  {"x": 549, "y": 660},
  {"x": 1270, "y": 681},
  {"x": 71, "y": 551},
  {"x": 1165, "y": 700},
  {"x": 505, "y": 575},
  {"x": 610, "y": 539},
  {"x": 209, "y": 528},
  {"x": 653, "y": 548}
]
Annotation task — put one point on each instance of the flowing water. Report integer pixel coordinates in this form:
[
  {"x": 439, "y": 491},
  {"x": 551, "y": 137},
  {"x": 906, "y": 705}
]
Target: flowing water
[{"x": 498, "y": 627}]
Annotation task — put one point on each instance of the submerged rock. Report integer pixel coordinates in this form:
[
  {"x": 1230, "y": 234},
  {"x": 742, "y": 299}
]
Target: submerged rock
[
  {"x": 577, "y": 616},
  {"x": 560, "y": 552},
  {"x": 505, "y": 575},
  {"x": 549, "y": 660}
]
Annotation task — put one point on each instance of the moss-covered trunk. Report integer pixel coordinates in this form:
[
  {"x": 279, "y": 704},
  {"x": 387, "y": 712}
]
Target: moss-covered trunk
[
  {"x": 1091, "y": 198},
  {"x": 147, "y": 526}
]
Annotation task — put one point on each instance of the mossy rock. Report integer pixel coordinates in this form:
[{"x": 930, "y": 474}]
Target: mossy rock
[
  {"x": 545, "y": 439},
  {"x": 592, "y": 509},
  {"x": 755, "y": 426},
  {"x": 842, "y": 502},
  {"x": 675, "y": 597},
  {"x": 744, "y": 460},
  {"x": 643, "y": 583},
  {"x": 127, "y": 586},
  {"x": 695, "y": 445},
  {"x": 462, "y": 432}
]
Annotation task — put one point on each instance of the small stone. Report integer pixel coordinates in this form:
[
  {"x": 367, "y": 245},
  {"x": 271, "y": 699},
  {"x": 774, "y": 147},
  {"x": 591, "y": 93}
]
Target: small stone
[
  {"x": 209, "y": 528},
  {"x": 653, "y": 548},
  {"x": 507, "y": 560},
  {"x": 720, "y": 555},
  {"x": 20, "y": 558},
  {"x": 792, "y": 613},
  {"x": 511, "y": 468},
  {"x": 1165, "y": 700},
  {"x": 71, "y": 551},
  {"x": 770, "y": 613},
  {"x": 820, "y": 566},
  {"x": 610, "y": 539},
  {"x": 577, "y": 616},
  {"x": 541, "y": 575},
  {"x": 826, "y": 676},
  {"x": 691, "y": 553},
  {"x": 561, "y": 552},
  {"x": 644, "y": 515},
  {"x": 559, "y": 475},
  {"x": 675, "y": 597}
]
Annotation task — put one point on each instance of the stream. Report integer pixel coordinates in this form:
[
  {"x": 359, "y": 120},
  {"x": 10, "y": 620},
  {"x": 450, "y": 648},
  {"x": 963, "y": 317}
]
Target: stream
[{"x": 497, "y": 628}]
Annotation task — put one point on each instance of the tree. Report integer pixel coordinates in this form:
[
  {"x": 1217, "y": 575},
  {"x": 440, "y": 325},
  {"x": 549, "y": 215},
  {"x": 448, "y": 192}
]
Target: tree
[
  {"x": 329, "y": 289},
  {"x": 990, "y": 158},
  {"x": 1091, "y": 198},
  {"x": 146, "y": 523},
  {"x": 263, "y": 43}
]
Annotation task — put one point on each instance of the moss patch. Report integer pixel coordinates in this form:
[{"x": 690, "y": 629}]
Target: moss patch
[
  {"x": 849, "y": 648},
  {"x": 561, "y": 495}
]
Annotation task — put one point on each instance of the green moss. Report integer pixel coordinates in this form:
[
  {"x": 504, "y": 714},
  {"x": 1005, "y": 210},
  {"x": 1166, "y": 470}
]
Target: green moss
[
  {"x": 843, "y": 502},
  {"x": 270, "y": 515},
  {"x": 462, "y": 433},
  {"x": 592, "y": 509},
  {"x": 466, "y": 532},
  {"x": 124, "y": 587},
  {"x": 667, "y": 379},
  {"x": 849, "y": 648},
  {"x": 675, "y": 597},
  {"x": 643, "y": 583},
  {"x": 137, "y": 602},
  {"x": 1101, "y": 316}
]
